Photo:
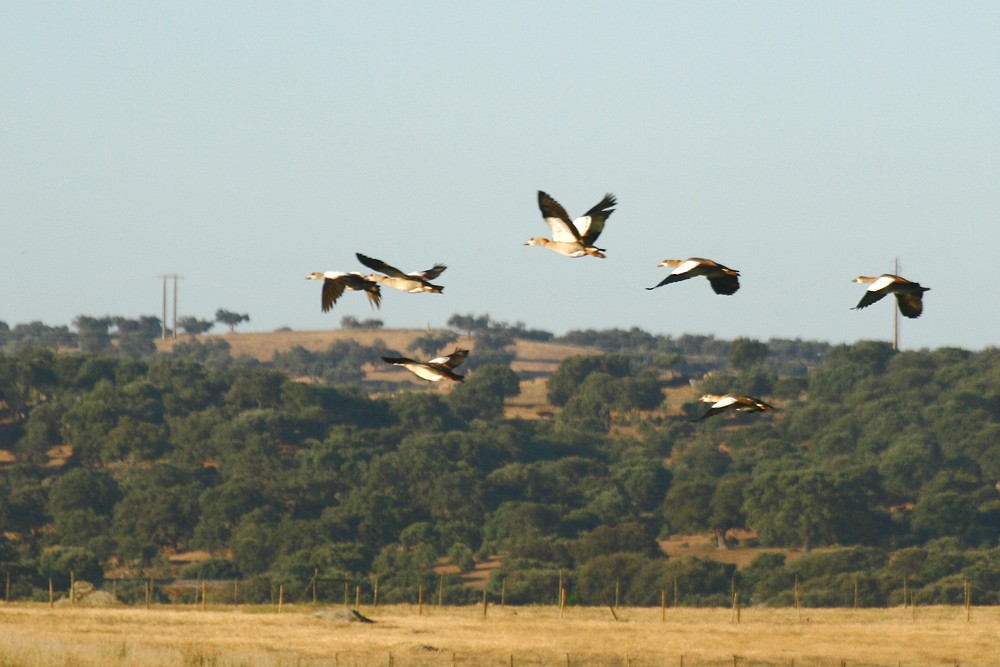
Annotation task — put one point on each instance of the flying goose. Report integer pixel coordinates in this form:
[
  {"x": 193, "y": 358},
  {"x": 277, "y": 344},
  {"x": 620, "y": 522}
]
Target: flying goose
[
  {"x": 909, "y": 295},
  {"x": 573, "y": 238},
  {"x": 737, "y": 402},
  {"x": 417, "y": 281},
  {"x": 723, "y": 279},
  {"x": 436, "y": 369},
  {"x": 335, "y": 282}
]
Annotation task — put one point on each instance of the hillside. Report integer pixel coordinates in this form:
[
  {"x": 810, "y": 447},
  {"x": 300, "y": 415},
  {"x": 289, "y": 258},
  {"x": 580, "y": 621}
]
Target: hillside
[{"x": 534, "y": 360}]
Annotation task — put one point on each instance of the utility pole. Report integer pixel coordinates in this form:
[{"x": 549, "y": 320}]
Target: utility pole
[
  {"x": 895, "y": 314},
  {"x": 163, "y": 320},
  {"x": 163, "y": 328},
  {"x": 175, "y": 304}
]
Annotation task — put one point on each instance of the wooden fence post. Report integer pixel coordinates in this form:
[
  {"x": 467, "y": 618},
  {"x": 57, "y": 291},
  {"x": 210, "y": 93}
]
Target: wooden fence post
[
  {"x": 375, "y": 593},
  {"x": 618, "y": 588},
  {"x": 441, "y": 589},
  {"x": 663, "y": 605},
  {"x": 347, "y": 593},
  {"x": 420, "y": 600},
  {"x": 485, "y": 603},
  {"x": 281, "y": 597},
  {"x": 677, "y": 595},
  {"x": 315, "y": 583},
  {"x": 236, "y": 591},
  {"x": 72, "y": 587},
  {"x": 204, "y": 595},
  {"x": 52, "y": 594},
  {"x": 503, "y": 591},
  {"x": 968, "y": 600},
  {"x": 6, "y": 594},
  {"x": 906, "y": 585},
  {"x": 855, "y": 591},
  {"x": 357, "y": 597}
]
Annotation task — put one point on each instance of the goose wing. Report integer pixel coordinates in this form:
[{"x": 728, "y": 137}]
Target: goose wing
[
  {"x": 431, "y": 273},
  {"x": 356, "y": 281},
  {"x": 451, "y": 360},
  {"x": 911, "y": 304},
  {"x": 724, "y": 283},
  {"x": 672, "y": 278},
  {"x": 591, "y": 224},
  {"x": 333, "y": 288},
  {"x": 684, "y": 270},
  {"x": 398, "y": 361},
  {"x": 380, "y": 266},
  {"x": 556, "y": 218}
]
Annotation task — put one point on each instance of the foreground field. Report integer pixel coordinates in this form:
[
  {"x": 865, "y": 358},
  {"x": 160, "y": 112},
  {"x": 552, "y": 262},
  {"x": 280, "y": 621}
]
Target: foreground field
[{"x": 33, "y": 635}]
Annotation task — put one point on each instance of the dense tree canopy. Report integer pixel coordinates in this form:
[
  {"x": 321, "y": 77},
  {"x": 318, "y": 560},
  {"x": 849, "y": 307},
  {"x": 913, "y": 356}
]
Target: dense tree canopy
[{"x": 120, "y": 456}]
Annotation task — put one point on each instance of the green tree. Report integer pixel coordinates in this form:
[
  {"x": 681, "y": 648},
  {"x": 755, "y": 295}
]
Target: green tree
[
  {"x": 230, "y": 318},
  {"x": 688, "y": 505},
  {"x": 726, "y": 506},
  {"x": 194, "y": 327},
  {"x": 745, "y": 353},
  {"x": 94, "y": 333},
  {"x": 484, "y": 392},
  {"x": 572, "y": 371},
  {"x": 808, "y": 508}
]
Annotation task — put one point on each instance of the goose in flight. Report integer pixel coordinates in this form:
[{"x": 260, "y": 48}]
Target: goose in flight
[
  {"x": 723, "y": 279},
  {"x": 335, "y": 282},
  {"x": 737, "y": 402},
  {"x": 436, "y": 369},
  {"x": 909, "y": 295},
  {"x": 574, "y": 238},
  {"x": 417, "y": 281}
]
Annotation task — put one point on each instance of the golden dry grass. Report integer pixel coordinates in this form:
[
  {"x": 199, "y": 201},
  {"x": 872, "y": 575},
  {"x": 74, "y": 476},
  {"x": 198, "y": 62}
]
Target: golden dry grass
[
  {"x": 32, "y": 635},
  {"x": 530, "y": 355}
]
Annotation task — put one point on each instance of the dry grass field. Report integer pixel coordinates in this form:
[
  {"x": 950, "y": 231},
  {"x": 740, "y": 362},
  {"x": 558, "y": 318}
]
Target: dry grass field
[
  {"x": 532, "y": 356},
  {"x": 33, "y": 635}
]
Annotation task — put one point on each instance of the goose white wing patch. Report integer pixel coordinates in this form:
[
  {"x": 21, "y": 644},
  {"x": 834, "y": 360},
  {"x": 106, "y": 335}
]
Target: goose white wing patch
[
  {"x": 685, "y": 266},
  {"x": 724, "y": 402},
  {"x": 562, "y": 232},
  {"x": 881, "y": 283}
]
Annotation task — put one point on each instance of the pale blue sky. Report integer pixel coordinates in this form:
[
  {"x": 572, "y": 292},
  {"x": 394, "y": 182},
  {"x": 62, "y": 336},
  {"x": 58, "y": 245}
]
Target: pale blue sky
[{"x": 243, "y": 145}]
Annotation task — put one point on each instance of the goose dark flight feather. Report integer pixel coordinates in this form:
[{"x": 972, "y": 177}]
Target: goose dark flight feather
[{"x": 336, "y": 282}]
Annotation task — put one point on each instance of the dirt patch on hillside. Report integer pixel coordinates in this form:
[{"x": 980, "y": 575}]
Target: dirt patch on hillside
[{"x": 741, "y": 554}]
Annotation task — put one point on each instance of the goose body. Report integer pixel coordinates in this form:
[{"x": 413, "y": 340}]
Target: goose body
[
  {"x": 723, "y": 279},
  {"x": 573, "y": 238},
  {"x": 909, "y": 295},
  {"x": 737, "y": 402},
  {"x": 417, "y": 281},
  {"x": 439, "y": 368},
  {"x": 336, "y": 282}
]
